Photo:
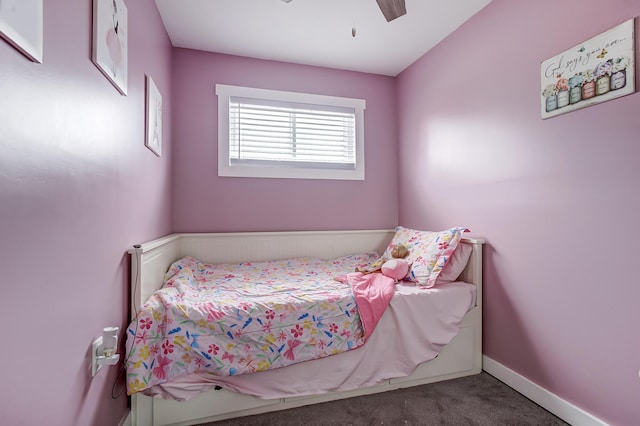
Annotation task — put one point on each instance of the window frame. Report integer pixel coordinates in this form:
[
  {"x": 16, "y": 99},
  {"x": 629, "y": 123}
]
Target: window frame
[{"x": 272, "y": 169}]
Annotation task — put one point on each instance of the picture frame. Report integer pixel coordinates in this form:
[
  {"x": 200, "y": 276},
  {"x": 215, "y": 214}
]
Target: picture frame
[
  {"x": 598, "y": 70},
  {"x": 110, "y": 41},
  {"x": 21, "y": 24},
  {"x": 153, "y": 117}
]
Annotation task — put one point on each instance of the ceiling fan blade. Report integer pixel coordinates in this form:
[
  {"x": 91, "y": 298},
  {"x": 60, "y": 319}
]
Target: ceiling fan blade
[{"x": 392, "y": 9}]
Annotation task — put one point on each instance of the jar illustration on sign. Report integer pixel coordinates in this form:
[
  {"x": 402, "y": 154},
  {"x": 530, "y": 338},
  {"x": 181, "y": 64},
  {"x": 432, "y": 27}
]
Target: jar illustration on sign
[
  {"x": 550, "y": 97},
  {"x": 575, "y": 88},
  {"x": 602, "y": 73},
  {"x": 562, "y": 87},
  {"x": 619, "y": 72},
  {"x": 589, "y": 85}
]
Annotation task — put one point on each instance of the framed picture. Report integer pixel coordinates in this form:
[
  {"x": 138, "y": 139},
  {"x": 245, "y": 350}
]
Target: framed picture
[
  {"x": 598, "y": 70},
  {"x": 21, "y": 25},
  {"x": 110, "y": 41},
  {"x": 154, "y": 118}
]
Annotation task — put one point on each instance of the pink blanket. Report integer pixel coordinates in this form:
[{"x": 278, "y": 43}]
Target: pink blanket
[{"x": 372, "y": 292}]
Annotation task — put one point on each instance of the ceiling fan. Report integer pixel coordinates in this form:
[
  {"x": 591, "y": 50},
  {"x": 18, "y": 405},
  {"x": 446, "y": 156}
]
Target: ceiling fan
[{"x": 391, "y": 9}]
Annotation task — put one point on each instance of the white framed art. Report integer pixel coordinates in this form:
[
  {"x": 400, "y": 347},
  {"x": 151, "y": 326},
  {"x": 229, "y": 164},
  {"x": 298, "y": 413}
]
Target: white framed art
[
  {"x": 21, "y": 25},
  {"x": 153, "y": 139},
  {"x": 597, "y": 70},
  {"x": 110, "y": 50}
]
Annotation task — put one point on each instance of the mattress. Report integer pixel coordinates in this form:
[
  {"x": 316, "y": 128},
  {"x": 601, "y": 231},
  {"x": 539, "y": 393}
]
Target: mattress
[{"x": 417, "y": 324}]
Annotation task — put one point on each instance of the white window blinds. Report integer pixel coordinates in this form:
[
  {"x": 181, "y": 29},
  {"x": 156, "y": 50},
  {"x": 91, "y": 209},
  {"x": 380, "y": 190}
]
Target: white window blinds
[
  {"x": 277, "y": 134},
  {"x": 291, "y": 134}
]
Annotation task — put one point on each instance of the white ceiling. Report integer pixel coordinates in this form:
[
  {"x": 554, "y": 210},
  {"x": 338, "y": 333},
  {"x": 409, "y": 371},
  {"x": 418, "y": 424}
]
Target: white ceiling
[{"x": 316, "y": 32}]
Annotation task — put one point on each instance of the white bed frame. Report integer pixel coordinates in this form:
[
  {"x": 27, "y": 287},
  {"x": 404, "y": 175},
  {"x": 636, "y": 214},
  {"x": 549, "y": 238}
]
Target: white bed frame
[{"x": 149, "y": 262}]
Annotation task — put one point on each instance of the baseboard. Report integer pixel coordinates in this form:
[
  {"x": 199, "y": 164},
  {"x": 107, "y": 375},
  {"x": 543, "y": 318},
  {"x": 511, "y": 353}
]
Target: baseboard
[
  {"x": 126, "y": 418},
  {"x": 547, "y": 400}
]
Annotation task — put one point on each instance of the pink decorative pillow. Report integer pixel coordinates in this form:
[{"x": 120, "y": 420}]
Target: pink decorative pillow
[
  {"x": 429, "y": 252},
  {"x": 455, "y": 265},
  {"x": 395, "y": 268}
]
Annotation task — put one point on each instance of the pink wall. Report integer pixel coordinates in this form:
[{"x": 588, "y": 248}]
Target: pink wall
[
  {"x": 77, "y": 189},
  {"x": 554, "y": 198},
  {"x": 205, "y": 202}
]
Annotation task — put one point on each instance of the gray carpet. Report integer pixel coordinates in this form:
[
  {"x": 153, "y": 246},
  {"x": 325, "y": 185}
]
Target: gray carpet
[{"x": 474, "y": 400}]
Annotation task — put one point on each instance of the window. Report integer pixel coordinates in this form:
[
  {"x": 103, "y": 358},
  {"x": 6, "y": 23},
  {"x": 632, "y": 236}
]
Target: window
[{"x": 275, "y": 134}]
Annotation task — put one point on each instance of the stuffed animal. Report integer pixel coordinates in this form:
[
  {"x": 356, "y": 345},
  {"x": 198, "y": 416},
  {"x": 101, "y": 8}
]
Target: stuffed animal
[
  {"x": 396, "y": 267},
  {"x": 400, "y": 251}
]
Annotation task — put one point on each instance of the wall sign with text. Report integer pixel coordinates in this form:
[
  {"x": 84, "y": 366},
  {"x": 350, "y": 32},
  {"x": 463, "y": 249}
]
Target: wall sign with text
[{"x": 598, "y": 70}]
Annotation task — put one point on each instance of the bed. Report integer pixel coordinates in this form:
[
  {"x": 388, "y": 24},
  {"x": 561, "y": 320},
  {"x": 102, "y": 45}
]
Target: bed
[{"x": 235, "y": 396}]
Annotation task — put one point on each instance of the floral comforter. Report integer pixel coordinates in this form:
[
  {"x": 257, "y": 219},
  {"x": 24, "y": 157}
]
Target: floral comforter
[{"x": 243, "y": 318}]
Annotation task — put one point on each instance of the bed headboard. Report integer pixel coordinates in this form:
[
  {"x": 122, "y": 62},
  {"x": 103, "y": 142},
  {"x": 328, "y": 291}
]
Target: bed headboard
[{"x": 150, "y": 261}]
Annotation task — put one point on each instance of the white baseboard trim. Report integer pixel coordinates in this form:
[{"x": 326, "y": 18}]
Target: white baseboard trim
[
  {"x": 126, "y": 418},
  {"x": 549, "y": 401}
]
